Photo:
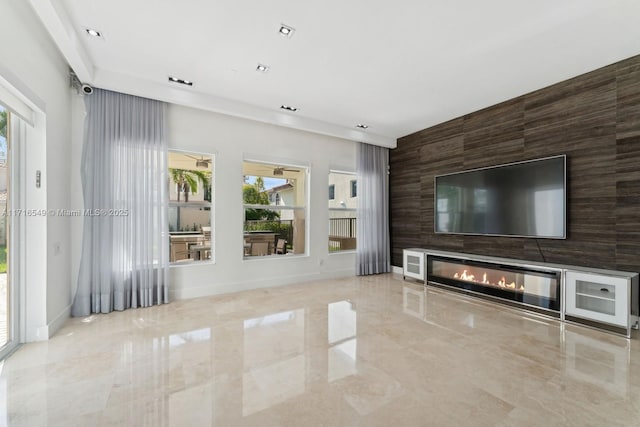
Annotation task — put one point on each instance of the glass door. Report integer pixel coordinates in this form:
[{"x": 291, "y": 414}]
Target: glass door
[{"x": 7, "y": 294}]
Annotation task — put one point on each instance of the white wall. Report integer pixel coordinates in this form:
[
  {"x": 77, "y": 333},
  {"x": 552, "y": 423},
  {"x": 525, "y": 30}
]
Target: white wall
[
  {"x": 78, "y": 113},
  {"x": 231, "y": 139},
  {"x": 31, "y": 61}
]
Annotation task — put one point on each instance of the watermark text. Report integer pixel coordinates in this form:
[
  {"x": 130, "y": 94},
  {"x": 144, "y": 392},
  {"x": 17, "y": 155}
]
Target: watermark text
[{"x": 65, "y": 212}]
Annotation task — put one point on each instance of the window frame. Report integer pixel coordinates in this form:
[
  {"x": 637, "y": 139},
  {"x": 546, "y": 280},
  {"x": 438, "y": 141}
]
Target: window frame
[{"x": 305, "y": 169}]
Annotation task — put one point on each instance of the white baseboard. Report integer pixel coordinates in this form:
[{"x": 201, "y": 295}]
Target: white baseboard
[
  {"x": 210, "y": 290},
  {"x": 396, "y": 269},
  {"x": 57, "y": 323},
  {"x": 39, "y": 333}
]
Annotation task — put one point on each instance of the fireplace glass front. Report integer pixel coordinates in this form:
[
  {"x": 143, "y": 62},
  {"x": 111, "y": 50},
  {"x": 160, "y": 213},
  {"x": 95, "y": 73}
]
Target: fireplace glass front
[{"x": 524, "y": 285}]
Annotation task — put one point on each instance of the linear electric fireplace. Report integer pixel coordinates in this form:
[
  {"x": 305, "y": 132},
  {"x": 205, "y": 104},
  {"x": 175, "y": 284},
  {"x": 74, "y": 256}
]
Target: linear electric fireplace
[{"x": 520, "y": 284}]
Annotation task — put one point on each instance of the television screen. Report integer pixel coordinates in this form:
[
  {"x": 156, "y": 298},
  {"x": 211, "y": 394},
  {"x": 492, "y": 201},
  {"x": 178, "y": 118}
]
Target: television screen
[{"x": 524, "y": 199}]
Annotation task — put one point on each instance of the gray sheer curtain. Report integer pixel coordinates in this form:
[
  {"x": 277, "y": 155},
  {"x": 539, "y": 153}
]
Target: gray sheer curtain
[
  {"x": 373, "y": 249},
  {"x": 125, "y": 246}
]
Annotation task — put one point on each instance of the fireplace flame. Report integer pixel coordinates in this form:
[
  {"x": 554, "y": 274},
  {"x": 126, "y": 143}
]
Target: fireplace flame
[{"x": 502, "y": 283}]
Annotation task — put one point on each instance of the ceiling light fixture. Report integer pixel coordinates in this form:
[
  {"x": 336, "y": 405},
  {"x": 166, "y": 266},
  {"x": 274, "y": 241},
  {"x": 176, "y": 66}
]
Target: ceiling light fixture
[
  {"x": 92, "y": 32},
  {"x": 361, "y": 126},
  {"x": 288, "y": 108},
  {"x": 181, "y": 81},
  {"x": 286, "y": 30},
  {"x": 262, "y": 68}
]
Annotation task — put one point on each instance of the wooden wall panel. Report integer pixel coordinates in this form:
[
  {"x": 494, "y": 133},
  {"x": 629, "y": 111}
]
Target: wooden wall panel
[
  {"x": 494, "y": 135},
  {"x": 628, "y": 164},
  {"x": 445, "y": 155},
  {"x": 407, "y": 166},
  {"x": 594, "y": 119}
]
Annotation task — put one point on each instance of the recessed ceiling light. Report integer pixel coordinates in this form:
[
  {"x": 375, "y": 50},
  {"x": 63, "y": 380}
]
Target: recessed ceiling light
[
  {"x": 92, "y": 32},
  {"x": 361, "y": 126},
  {"x": 288, "y": 108},
  {"x": 181, "y": 81},
  {"x": 262, "y": 68},
  {"x": 286, "y": 30}
]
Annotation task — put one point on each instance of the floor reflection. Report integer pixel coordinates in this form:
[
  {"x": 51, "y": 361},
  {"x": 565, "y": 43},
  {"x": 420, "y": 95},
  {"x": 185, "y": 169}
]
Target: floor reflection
[
  {"x": 4, "y": 398},
  {"x": 341, "y": 318},
  {"x": 274, "y": 360},
  {"x": 604, "y": 364},
  {"x": 414, "y": 301},
  {"x": 362, "y": 351},
  {"x": 197, "y": 335},
  {"x": 343, "y": 344}
]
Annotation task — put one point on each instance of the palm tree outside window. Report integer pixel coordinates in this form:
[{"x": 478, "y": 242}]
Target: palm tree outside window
[{"x": 187, "y": 181}]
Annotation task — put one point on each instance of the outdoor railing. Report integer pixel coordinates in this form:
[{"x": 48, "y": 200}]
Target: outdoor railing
[{"x": 342, "y": 227}]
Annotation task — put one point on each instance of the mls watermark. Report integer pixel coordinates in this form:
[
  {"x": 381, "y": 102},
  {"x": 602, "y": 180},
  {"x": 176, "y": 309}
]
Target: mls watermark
[{"x": 66, "y": 212}]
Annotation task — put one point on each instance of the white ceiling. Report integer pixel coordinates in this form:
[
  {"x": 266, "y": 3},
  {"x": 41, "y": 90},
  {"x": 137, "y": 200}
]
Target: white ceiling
[
  {"x": 265, "y": 170},
  {"x": 397, "y": 66},
  {"x": 187, "y": 161}
]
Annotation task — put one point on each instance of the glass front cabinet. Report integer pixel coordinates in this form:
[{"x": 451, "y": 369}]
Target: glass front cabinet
[
  {"x": 602, "y": 298},
  {"x": 413, "y": 264}
]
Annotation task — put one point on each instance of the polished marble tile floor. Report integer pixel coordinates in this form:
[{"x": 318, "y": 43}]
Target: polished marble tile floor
[{"x": 362, "y": 351}]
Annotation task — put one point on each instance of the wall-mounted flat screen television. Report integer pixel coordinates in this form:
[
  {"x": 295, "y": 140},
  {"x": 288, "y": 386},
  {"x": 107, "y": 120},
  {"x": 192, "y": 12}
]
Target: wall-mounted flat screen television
[{"x": 524, "y": 199}]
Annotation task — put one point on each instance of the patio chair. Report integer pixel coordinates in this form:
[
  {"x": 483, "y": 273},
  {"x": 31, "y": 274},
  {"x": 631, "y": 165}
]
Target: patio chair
[
  {"x": 281, "y": 247},
  {"x": 259, "y": 248},
  {"x": 206, "y": 232},
  {"x": 179, "y": 253}
]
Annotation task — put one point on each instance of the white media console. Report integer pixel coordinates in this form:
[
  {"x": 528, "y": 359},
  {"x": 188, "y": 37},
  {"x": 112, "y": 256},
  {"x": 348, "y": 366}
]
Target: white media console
[{"x": 601, "y": 298}]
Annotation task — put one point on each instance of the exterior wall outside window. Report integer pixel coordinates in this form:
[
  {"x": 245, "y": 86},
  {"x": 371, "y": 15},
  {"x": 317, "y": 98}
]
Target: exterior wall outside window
[{"x": 342, "y": 212}]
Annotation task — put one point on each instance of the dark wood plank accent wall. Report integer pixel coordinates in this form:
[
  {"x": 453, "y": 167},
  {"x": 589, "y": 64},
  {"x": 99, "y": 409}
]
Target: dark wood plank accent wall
[{"x": 594, "y": 119}]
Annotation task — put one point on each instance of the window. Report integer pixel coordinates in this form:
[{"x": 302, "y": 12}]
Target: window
[
  {"x": 342, "y": 212},
  {"x": 190, "y": 198},
  {"x": 332, "y": 192},
  {"x": 274, "y": 199},
  {"x": 354, "y": 188}
]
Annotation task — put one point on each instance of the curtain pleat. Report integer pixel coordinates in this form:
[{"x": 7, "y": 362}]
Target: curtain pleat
[
  {"x": 373, "y": 249},
  {"x": 125, "y": 256}
]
